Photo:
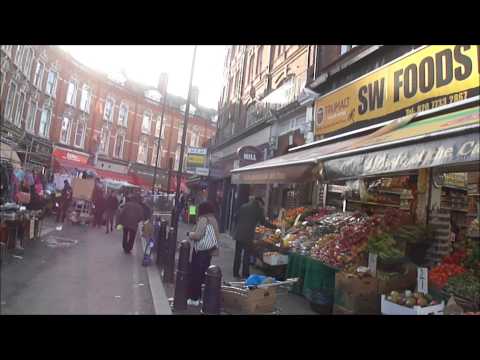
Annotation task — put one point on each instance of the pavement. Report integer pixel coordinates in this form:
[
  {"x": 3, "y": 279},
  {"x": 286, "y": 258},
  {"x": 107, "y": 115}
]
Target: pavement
[
  {"x": 79, "y": 270},
  {"x": 287, "y": 303}
]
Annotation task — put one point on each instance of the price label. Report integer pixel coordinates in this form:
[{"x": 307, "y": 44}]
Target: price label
[
  {"x": 422, "y": 280},
  {"x": 372, "y": 263},
  {"x": 32, "y": 228}
]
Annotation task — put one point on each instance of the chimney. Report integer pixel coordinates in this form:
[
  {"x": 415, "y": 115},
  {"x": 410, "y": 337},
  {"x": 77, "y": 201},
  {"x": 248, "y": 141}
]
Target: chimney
[
  {"x": 162, "y": 83},
  {"x": 194, "y": 96}
]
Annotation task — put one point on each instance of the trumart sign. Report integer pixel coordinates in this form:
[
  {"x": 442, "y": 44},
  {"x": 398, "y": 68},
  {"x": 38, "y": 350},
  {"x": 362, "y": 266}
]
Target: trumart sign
[{"x": 423, "y": 79}]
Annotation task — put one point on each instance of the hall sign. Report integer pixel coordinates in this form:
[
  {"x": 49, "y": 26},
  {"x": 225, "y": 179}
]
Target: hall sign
[
  {"x": 453, "y": 150},
  {"x": 196, "y": 159},
  {"x": 248, "y": 155},
  {"x": 68, "y": 155},
  {"x": 423, "y": 79}
]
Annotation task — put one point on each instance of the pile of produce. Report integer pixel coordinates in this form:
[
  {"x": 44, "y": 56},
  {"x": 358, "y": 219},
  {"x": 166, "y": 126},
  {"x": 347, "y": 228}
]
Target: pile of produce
[
  {"x": 440, "y": 274},
  {"x": 291, "y": 215},
  {"x": 410, "y": 299},
  {"x": 465, "y": 285},
  {"x": 384, "y": 246}
]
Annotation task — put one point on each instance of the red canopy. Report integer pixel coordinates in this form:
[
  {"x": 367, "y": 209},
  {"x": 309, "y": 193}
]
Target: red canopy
[
  {"x": 114, "y": 176},
  {"x": 70, "y": 164}
]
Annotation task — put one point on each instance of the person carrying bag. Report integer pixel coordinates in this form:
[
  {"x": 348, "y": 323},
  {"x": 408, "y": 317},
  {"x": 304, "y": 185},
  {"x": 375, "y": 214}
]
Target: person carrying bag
[{"x": 205, "y": 244}]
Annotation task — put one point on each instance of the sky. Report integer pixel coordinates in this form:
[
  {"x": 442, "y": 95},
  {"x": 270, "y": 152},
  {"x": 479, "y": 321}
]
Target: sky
[{"x": 144, "y": 63}]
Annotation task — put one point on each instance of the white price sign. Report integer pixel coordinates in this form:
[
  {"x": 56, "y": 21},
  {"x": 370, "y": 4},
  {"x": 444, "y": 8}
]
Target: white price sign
[
  {"x": 372, "y": 263},
  {"x": 422, "y": 280}
]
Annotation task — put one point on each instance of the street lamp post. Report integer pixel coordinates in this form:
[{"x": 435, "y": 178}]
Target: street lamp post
[
  {"x": 159, "y": 139},
  {"x": 184, "y": 135}
]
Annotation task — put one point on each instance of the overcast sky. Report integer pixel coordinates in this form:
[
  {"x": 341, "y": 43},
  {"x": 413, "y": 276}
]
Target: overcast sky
[{"x": 145, "y": 63}]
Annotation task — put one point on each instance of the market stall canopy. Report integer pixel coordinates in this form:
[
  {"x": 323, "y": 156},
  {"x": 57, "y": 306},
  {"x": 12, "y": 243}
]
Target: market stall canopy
[
  {"x": 70, "y": 164},
  {"x": 294, "y": 167},
  {"x": 8, "y": 154},
  {"x": 448, "y": 139},
  {"x": 117, "y": 185}
]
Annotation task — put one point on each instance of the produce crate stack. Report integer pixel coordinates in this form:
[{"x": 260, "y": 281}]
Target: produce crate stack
[{"x": 441, "y": 246}]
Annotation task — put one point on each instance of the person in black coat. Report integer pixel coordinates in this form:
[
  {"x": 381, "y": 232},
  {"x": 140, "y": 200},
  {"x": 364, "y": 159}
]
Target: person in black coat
[
  {"x": 248, "y": 217},
  {"x": 65, "y": 201},
  {"x": 111, "y": 206}
]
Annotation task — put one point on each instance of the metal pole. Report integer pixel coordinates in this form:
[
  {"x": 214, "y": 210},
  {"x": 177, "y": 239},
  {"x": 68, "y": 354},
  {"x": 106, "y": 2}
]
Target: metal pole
[
  {"x": 159, "y": 140},
  {"x": 184, "y": 135}
]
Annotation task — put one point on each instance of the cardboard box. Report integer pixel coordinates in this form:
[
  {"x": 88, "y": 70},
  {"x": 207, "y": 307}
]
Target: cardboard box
[
  {"x": 390, "y": 308},
  {"x": 83, "y": 188},
  {"x": 358, "y": 296},
  {"x": 245, "y": 301}
]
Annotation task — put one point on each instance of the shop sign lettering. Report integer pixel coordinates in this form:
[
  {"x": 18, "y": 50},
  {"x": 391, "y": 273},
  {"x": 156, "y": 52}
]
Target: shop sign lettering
[{"x": 428, "y": 77}]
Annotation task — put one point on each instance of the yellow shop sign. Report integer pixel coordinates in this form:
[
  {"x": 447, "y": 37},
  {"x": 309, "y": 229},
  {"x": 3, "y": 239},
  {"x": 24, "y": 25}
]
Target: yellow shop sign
[{"x": 423, "y": 79}]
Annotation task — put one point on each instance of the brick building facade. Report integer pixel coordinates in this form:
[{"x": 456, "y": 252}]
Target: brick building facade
[{"x": 48, "y": 96}]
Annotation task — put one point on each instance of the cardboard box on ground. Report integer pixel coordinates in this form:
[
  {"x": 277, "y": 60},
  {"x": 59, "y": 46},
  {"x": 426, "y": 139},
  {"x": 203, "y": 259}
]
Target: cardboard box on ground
[
  {"x": 244, "y": 301},
  {"x": 363, "y": 295},
  {"x": 83, "y": 188}
]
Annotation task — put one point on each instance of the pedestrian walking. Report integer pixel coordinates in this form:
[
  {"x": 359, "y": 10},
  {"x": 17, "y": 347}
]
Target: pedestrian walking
[
  {"x": 130, "y": 216},
  {"x": 99, "y": 202},
  {"x": 205, "y": 238},
  {"x": 247, "y": 218},
  {"x": 111, "y": 207},
  {"x": 65, "y": 201}
]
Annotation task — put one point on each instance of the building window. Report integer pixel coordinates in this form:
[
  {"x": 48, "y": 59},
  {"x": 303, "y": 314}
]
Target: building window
[
  {"x": 71, "y": 93},
  {"x": 18, "y": 55},
  {"x": 250, "y": 68},
  {"x": 2, "y": 77},
  {"x": 346, "y": 48},
  {"x": 108, "y": 111},
  {"x": 65, "y": 131},
  {"x": 180, "y": 134},
  {"x": 85, "y": 99},
  {"x": 31, "y": 116},
  {"x": 44, "y": 128},
  {"x": 154, "y": 155},
  {"x": 7, "y": 49},
  {"x": 20, "y": 107},
  {"x": 123, "y": 115},
  {"x": 119, "y": 141},
  {"x": 27, "y": 61},
  {"x": 142, "y": 150},
  {"x": 10, "y": 98},
  {"x": 38, "y": 76},
  {"x": 259, "y": 60},
  {"x": 79, "y": 134},
  {"x": 51, "y": 87},
  {"x": 146, "y": 122},
  {"x": 104, "y": 140}
]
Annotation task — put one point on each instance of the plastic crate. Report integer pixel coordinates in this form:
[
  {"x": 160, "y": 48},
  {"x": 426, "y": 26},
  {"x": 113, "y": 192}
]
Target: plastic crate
[{"x": 390, "y": 308}]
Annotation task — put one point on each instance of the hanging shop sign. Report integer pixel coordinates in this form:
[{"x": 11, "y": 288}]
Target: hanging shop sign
[
  {"x": 426, "y": 78},
  {"x": 458, "y": 149},
  {"x": 248, "y": 155},
  {"x": 196, "y": 160},
  {"x": 71, "y": 156}
]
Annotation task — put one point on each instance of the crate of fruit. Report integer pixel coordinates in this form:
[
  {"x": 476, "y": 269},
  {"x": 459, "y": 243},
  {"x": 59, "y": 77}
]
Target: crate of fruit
[
  {"x": 273, "y": 258},
  {"x": 416, "y": 304}
]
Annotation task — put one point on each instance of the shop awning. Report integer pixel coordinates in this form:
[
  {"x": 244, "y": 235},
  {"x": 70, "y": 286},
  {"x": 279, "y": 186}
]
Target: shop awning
[
  {"x": 110, "y": 175},
  {"x": 70, "y": 164},
  {"x": 447, "y": 140}
]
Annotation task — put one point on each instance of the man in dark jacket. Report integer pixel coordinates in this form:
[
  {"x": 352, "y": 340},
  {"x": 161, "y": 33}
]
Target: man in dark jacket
[
  {"x": 247, "y": 218},
  {"x": 131, "y": 214},
  {"x": 65, "y": 201},
  {"x": 111, "y": 207}
]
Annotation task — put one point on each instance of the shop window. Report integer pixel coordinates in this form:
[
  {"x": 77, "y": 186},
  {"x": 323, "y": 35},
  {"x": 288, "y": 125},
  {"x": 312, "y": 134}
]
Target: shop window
[
  {"x": 65, "y": 131},
  {"x": 12, "y": 91},
  {"x": 104, "y": 140},
  {"x": 32, "y": 112},
  {"x": 71, "y": 93},
  {"x": 146, "y": 122},
  {"x": 119, "y": 142},
  {"x": 85, "y": 99},
  {"x": 38, "y": 75},
  {"x": 123, "y": 115},
  {"x": 108, "y": 111},
  {"x": 79, "y": 134},
  {"x": 45, "y": 119},
  {"x": 51, "y": 87}
]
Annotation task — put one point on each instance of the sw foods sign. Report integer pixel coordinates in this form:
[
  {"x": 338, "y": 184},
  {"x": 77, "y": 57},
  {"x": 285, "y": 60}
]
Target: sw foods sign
[{"x": 426, "y": 78}]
